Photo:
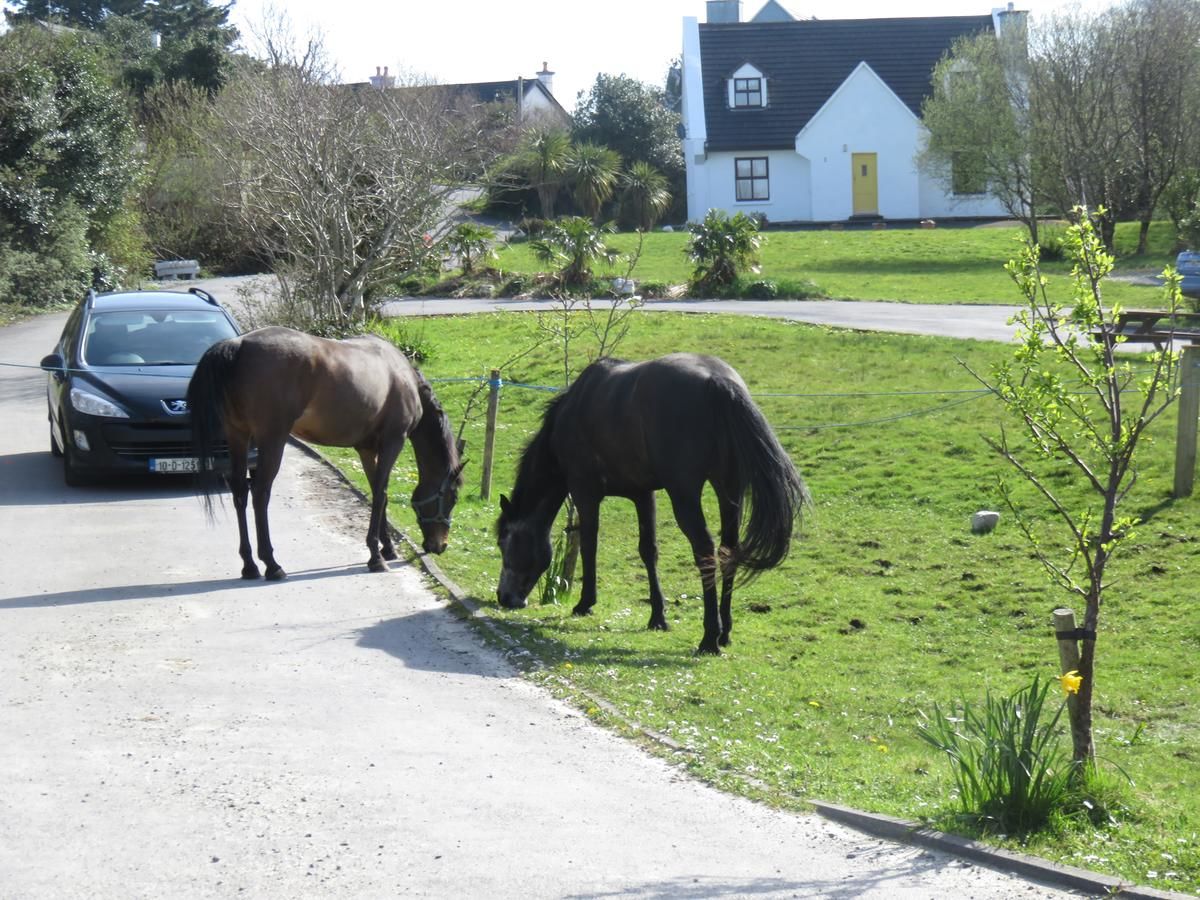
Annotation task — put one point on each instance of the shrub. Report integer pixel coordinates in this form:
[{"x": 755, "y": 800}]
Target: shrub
[
  {"x": 763, "y": 289},
  {"x": 1010, "y": 772},
  {"x": 574, "y": 244},
  {"x": 721, "y": 247},
  {"x": 471, "y": 242},
  {"x": 1052, "y": 244}
]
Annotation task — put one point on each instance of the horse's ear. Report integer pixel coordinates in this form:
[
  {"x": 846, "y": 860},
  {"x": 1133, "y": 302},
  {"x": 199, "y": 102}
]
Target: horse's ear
[
  {"x": 504, "y": 504},
  {"x": 460, "y": 445}
]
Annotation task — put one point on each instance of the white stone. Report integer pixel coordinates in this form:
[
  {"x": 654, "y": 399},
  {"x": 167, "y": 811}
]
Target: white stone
[{"x": 984, "y": 521}]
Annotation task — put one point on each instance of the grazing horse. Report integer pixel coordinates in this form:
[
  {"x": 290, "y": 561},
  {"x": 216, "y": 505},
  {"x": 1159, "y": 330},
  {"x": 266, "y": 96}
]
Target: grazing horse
[
  {"x": 627, "y": 429},
  {"x": 361, "y": 392}
]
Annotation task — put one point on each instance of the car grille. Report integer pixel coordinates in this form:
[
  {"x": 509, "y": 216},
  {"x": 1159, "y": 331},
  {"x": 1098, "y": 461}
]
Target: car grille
[{"x": 141, "y": 442}]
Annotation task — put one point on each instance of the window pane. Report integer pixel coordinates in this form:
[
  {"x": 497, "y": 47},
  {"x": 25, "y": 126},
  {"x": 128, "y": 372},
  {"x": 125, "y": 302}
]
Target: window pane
[
  {"x": 744, "y": 168},
  {"x": 744, "y": 191},
  {"x": 759, "y": 168}
]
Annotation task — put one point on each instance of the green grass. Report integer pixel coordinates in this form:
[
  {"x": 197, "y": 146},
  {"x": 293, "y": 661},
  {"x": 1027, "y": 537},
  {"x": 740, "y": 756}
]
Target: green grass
[
  {"x": 942, "y": 265},
  {"x": 887, "y": 604}
]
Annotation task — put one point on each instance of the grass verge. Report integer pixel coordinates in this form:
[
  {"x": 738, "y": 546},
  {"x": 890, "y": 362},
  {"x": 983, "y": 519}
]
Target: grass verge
[{"x": 887, "y": 605}]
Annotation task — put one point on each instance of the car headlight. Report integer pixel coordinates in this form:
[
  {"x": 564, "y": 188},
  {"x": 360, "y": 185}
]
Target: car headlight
[{"x": 95, "y": 405}]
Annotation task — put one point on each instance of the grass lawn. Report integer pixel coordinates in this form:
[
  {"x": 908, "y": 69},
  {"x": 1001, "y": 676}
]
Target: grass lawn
[
  {"x": 887, "y": 604},
  {"x": 942, "y": 265}
]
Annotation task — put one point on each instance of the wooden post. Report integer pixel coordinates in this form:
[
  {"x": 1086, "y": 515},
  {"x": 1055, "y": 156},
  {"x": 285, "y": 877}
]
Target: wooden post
[
  {"x": 1068, "y": 653},
  {"x": 1189, "y": 413},
  {"x": 489, "y": 437}
]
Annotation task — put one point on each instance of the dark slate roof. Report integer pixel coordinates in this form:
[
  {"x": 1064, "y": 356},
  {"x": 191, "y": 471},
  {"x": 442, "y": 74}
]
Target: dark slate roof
[
  {"x": 805, "y": 62},
  {"x": 501, "y": 91}
]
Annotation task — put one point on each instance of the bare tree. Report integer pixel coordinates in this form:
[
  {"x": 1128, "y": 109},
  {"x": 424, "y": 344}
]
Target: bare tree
[
  {"x": 1160, "y": 73},
  {"x": 345, "y": 186}
]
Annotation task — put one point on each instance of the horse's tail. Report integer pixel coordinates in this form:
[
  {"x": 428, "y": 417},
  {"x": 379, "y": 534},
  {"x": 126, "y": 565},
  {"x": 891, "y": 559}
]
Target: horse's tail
[
  {"x": 776, "y": 490},
  {"x": 206, "y": 404}
]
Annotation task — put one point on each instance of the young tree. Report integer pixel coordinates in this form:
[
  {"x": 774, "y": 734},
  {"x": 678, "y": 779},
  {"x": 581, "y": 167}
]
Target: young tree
[
  {"x": 977, "y": 121},
  {"x": 542, "y": 158},
  {"x": 633, "y": 119},
  {"x": 1082, "y": 405}
]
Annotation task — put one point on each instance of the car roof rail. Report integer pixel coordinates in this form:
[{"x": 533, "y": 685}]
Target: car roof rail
[
  {"x": 91, "y": 298},
  {"x": 204, "y": 295}
]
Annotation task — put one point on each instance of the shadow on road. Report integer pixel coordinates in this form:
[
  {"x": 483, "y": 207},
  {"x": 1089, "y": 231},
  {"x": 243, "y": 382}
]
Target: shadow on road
[
  {"x": 422, "y": 641},
  {"x": 36, "y": 479},
  {"x": 166, "y": 589}
]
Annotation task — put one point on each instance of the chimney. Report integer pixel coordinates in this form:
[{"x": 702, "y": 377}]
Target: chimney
[
  {"x": 384, "y": 81},
  {"x": 546, "y": 77},
  {"x": 721, "y": 12}
]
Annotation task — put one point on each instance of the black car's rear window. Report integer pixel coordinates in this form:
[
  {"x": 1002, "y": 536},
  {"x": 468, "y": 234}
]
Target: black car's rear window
[{"x": 159, "y": 337}]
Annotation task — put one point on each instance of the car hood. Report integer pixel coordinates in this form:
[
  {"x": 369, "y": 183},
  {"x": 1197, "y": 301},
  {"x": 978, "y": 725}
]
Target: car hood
[{"x": 144, "y": 391}]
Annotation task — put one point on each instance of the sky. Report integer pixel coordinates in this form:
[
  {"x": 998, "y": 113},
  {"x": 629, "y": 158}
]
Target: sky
[{"x": 452, "y": 41}]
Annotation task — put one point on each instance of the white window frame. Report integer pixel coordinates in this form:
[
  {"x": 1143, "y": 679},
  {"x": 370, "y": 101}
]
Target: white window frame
[{"x": 746, "y": 73}]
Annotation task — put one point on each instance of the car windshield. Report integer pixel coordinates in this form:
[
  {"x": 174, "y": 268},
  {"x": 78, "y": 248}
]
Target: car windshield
[{"x": 153, "y": 337}]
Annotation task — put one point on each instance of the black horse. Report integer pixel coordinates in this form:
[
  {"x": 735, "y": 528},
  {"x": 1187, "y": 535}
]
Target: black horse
[{"x": 627, "y": 429}]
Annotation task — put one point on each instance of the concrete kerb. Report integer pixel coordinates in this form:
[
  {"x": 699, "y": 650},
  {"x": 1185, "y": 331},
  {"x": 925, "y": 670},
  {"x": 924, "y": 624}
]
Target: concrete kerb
[{"x": 885, "y": 827}]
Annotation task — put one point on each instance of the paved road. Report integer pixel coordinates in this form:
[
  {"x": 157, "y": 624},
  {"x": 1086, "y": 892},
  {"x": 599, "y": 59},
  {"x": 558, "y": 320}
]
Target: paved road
[{"x": 168, "y": 730}]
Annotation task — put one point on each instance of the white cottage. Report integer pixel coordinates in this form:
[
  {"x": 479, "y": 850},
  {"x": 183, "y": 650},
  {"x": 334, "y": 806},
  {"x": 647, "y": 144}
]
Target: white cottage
[{"x": 816, "y": 120}]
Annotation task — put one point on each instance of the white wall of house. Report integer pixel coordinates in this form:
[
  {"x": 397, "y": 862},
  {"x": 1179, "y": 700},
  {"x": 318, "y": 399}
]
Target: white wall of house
[
  {"x": 537, "y": 106},
  {"x": 790, "y": 195}
]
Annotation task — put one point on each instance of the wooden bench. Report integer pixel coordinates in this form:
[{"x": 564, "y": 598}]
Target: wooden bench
[
  {"x": 170, "y": 269},
  {"x": 1154, "y": 326}
]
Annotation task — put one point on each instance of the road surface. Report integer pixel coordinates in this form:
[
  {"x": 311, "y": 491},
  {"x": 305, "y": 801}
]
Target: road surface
[{"x": 167, "y": 730}]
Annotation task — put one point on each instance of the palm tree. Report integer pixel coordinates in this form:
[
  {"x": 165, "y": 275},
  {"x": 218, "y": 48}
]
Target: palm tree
[
  {"x": 594, "y": 171},
  {"x": 645, "y": 197},
  {"x": 543, "y": 159}
]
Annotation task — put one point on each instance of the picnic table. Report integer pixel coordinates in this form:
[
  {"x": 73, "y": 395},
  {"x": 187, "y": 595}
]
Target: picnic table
[{"x": 1155, "y": 326}]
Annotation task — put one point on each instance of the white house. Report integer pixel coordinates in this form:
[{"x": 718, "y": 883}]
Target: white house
[{"x": 816, "y": 120}]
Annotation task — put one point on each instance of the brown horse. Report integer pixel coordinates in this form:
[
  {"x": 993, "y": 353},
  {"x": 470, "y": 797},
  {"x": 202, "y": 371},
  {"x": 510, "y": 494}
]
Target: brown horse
[
  {"x": 361, "y": 392},
  {"x": 627, "y": 429}
]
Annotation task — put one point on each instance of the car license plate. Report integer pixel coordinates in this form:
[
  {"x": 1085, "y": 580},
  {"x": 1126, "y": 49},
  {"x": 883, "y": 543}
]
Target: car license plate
[{"x": 174, "y": 465}]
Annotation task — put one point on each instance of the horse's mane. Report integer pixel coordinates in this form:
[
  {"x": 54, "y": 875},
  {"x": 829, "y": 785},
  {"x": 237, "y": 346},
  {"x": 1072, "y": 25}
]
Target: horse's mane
[
  {"x": 537, "y": 459},
  {"x": 431, "y": 406}
]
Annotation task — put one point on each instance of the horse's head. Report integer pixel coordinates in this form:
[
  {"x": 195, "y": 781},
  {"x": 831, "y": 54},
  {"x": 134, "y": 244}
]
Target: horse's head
[
  {"x": 525, "y": 552},
  {"x": 433, "y": 502}
]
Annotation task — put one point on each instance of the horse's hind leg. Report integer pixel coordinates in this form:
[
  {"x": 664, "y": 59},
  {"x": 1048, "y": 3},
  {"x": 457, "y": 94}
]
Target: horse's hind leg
[
  {"x": 648, "y": 549},
  {"x": 239, "y": 486},
  {"x": 378, "y": 470},
  {"x": 270, "y": 458},
  {"x": 689, "y": 514},
  {"x": 731, "y": 522}
]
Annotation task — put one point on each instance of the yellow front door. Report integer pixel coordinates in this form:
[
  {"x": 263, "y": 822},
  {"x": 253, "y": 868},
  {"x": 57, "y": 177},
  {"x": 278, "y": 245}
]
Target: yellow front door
[{"x": 866, "y": 184}]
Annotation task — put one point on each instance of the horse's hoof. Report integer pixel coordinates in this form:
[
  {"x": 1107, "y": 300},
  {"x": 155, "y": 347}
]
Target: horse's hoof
[
  {"x": 725, "y": 640},
  {"x": 658, "y": 626},
  {"x": 250, "y": 573},
  {"x": 378, "y": 565},
  {"x": 581, "y": 610},
  {"x": 708, "y": 649},
  {"x": 389, "y": 553},
  {"x": 276, "y": 574}
]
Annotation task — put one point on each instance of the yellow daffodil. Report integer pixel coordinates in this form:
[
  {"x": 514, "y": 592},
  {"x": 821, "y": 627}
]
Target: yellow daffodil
[
  {"x": 882, "y": 748},
  {"x": 1071, "y": 681},
  {"x": 815, "y": 704}
]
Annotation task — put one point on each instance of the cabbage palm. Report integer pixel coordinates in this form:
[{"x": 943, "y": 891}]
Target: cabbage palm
[
  {"x": 646, "y": 196},
  {"x": 594, "y": 172},
  {"x": 543, "y": 159}
]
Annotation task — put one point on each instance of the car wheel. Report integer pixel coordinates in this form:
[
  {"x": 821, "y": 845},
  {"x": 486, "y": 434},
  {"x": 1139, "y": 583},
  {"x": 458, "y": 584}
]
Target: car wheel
[
  {"x": 55, "y": 450},
  {"x": 72, "y": 474}
]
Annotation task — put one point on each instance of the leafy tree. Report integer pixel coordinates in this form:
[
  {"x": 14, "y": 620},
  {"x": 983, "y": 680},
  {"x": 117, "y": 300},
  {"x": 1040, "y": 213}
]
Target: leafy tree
[
  {"x": 633, "y": 119},
  {"x": 593, "y": 171},
  {"x": 1083, "y": 406},
  {"x": 645, "y": 195},
  {"x": 67, "y": 165},
  {"x": 720, "y": 247},
  {"x": 977, "y": 122}
]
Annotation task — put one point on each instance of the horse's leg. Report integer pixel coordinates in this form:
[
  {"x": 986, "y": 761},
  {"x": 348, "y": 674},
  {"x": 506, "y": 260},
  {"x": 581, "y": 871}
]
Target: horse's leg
[
  {"x": 588, "y": 509},
  {"x": 239, "y": 486},
  {"x": 270, "y": 458},
  {"x": 648, "y": 549},
  {"x": 377, "y": 530},
  {"x": 689, "y": 514},
  {"x": 731, "y": 522}
]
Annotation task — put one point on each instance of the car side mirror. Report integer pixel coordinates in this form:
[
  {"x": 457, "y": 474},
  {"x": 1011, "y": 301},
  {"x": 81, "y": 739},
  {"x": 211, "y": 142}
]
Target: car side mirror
[{"x": 52, "y": 362}]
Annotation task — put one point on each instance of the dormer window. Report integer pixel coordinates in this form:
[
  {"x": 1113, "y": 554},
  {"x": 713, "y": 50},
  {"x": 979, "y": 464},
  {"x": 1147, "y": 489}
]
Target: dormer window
[
  {"x": 747, "y": 92},
  {"x": 747, "y": 88}
]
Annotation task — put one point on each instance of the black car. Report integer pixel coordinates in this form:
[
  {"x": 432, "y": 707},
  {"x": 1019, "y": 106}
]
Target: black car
[{"x": 118, "y": 381}]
